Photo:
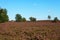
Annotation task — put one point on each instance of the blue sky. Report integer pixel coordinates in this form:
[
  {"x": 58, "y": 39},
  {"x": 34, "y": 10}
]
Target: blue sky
[{"x": 39, "y": 9}]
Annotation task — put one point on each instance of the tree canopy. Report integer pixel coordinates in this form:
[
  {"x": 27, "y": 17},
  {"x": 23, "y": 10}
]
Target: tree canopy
[
  {"x": 3, "y": 15},
  {"x": 56, "y": 19},
  {"x": 49, "y": 17},
  {"x": 18, "y": 18},
  {"x": 32, "y": 19},
  {"x": 23, "y": 19}
]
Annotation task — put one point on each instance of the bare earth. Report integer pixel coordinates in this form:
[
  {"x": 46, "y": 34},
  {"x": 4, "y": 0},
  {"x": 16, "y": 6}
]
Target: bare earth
[{"x": 41, "y": 30}]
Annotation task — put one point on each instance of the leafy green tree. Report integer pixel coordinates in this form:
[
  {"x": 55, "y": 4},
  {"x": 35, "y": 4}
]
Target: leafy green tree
[
  {"x": 49, "y": 17},
  {"x": 18, "y": 18},
  {"x": 32, "y": 19},
  {"x": 56, "y": 19},
  {"x": 23, "y": 19},
  {"x": 3, "y": 15}
]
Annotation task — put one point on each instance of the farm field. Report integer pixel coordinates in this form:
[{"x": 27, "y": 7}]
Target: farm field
[{"x": 40, "y": 30}]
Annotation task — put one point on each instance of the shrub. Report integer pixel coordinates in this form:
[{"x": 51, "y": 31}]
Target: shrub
[
  {"x": 32, "y": 19},
  {"x": 49, "y": 17},
  {"x": 23, "y": 19},
  {"x": 3, "y": 15},
  {"x": 56, "y": 19},
  {"x": 18, "y": 18}
]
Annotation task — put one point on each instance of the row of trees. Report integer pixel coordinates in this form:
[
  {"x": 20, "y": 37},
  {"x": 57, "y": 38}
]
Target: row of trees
[
  {"x": 4, "y": 17},
  {"x": 18, "y": 18},
  {"x": 55, "y": 19}
]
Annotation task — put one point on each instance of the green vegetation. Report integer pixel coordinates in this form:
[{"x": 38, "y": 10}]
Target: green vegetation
[
  {"x": 3, "y": 15},
  {"x": 32, "y": 19},
  {"x": 23, "y": 19},
  {"x": 56, "y": 19},
  {"x": 49, "y": 17},
  {"x": 18, "y": 18}
]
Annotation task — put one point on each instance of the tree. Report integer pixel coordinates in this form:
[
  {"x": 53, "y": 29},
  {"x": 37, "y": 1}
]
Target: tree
[
  {"x": 3, "y": 15},
  {"x": 18, "y": 18},
  {"x": 32, "y": 19},
  {"x": 23, "y": 19},
  {"x": 49, "y": 17},
  {"x": 56, "y": 19}
]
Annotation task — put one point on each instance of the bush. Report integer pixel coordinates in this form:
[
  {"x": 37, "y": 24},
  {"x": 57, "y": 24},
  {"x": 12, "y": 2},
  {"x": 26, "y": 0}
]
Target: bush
[
  {"x": 23, "y": 19},
  {"x": 32, "y": 19},
  {"x": 18, "y": 18},
  {"x": 49, "y": 17},
  {"x": 3, "y": 15},
  {"x": 56, "y": 19}
]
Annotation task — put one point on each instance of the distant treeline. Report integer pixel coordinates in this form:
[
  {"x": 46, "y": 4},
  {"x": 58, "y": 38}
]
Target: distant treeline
[{"x": 18, "y": 18}]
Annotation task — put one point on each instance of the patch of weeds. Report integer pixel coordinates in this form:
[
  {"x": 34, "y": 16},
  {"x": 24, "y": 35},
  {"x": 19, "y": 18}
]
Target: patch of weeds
[
  {"x": 17, "y": 31},
  {"x": 32, "y": 38},
  {"x": 44, "y": 34},
  {"x": 28, "y": 33},
  {"x": 35, "y": 38}
]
